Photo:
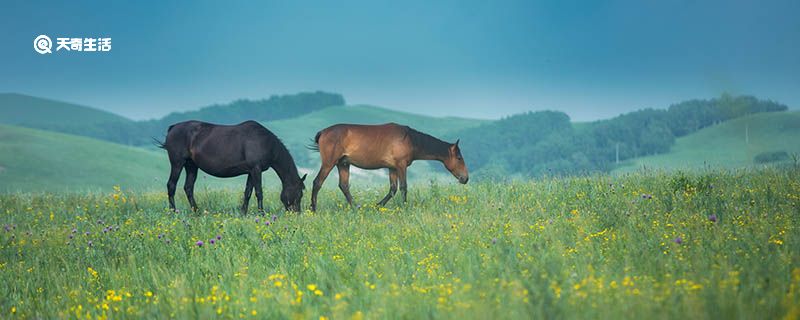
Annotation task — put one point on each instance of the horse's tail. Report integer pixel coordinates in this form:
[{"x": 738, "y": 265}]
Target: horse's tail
[
  {"x": 159, "y": 143},
  {"x": 315, "y": 145}
]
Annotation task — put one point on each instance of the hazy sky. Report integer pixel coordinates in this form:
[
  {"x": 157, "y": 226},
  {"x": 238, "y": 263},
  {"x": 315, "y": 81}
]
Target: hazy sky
[{"x": 591, "y": 59}]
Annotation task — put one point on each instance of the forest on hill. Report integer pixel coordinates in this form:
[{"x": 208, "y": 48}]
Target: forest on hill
[{"x": 548, "y": 143}]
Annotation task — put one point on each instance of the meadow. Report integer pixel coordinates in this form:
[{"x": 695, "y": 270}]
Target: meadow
[{"x": 653, "y": 245}]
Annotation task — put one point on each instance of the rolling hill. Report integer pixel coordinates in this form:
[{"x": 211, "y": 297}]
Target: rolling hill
[
  {"x": 37, "y": 160},
  {"x": 725, "y": 145},
  {"x": 24, "y": 110}
]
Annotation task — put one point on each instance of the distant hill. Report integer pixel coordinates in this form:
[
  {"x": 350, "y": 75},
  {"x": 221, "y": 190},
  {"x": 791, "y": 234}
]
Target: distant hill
[
  {"x": 33, "y": 112},
  {"x": 731, "y": 144},
  {"x": 548, "y": 143},
  {"x": 23, "y": 110},
  {"x": 273, "y": 108}
]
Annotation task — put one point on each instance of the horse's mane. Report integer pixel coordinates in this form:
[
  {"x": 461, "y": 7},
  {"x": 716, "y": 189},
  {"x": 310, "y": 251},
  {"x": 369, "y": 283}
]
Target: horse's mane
[{"x": 426, "y": 144}]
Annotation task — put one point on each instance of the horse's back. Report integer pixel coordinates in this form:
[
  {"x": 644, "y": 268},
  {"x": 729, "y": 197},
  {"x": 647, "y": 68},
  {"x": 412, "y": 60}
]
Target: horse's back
[
  {"x": 366, "y": 146},
  {"x": 223, "y": 150}
]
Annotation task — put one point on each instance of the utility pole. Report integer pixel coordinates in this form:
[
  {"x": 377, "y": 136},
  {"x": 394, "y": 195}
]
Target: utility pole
[{"x": 747, "y": 133}]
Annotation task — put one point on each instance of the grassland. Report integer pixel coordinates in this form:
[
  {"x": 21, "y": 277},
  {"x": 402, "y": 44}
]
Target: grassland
[
  {"x": 731, "y": 144},
  {"x": 642, "y": 246}
]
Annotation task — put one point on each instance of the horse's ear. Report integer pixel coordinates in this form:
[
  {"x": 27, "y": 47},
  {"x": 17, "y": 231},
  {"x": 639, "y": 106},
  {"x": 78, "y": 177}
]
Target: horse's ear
[
  {"x": 457, "y": 140},
  {"x": 304, "y": 177}
]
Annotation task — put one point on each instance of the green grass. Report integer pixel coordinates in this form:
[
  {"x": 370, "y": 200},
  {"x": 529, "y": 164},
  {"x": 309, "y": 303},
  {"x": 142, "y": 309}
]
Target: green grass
[
  {"x": 724, "y": 145},
  {"x": 19, "y": 109},
  {"x": 590, "y": 247}
]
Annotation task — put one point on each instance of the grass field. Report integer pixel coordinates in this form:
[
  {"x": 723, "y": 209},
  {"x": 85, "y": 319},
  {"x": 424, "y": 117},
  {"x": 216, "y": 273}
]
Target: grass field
[
  {"x": 726, "y": 145},
  {"x": 643, "y": 246}
]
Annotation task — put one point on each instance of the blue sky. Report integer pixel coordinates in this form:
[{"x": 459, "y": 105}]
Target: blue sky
[{"x": 461, "y": 58}]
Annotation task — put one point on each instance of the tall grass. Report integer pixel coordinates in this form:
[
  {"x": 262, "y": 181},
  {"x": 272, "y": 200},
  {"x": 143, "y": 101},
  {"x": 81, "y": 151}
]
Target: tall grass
[{"x": 647, "y": 245}]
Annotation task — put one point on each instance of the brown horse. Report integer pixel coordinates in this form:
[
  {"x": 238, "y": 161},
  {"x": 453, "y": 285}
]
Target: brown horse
[{"x": 389, "y": 146}]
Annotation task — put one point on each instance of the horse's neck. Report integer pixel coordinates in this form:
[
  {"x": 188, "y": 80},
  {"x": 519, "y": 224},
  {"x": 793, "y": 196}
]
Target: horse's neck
[
  {"x": 430, "y": 148},
  {"x": 285, "y": 169}
]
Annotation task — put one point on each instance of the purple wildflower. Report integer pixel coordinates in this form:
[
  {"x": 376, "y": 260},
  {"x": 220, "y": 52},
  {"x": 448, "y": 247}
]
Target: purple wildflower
[
  {"x": 87, "y": 233},
  {"x": 267, "y": 223},
  {"x": 160, "y": 235},
  {"x": 74, "y": 230},
  {"x": 219, "y": 237},
  {"x": 71, "y": 236},
  {"x": 494, "y": 240},
  {"x": 678, "y": 240},
  {"x": 212, "y": 241},
  {"x": 258, "y": 220},
  {"x": 199, "y": 243},
  {"x": 274, "y": 217},
  {"x": 712, "y": 217}
]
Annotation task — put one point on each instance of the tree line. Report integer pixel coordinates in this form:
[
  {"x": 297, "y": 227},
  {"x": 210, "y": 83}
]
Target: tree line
[
  {"x": 548, "y": 143},
  {"x": 138, "y": 133}
]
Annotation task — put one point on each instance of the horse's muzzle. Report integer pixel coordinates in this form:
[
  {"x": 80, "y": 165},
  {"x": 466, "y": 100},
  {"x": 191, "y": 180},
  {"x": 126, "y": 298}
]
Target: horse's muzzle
[{"x": 463, "y": 180}]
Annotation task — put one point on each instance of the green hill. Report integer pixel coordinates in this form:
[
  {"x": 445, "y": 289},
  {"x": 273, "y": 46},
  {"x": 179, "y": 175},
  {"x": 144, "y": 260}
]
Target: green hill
[
  {"x": 38, "y": 160},
  {"x": 20, "y": 109},
  {"x": 731, "y": 144}
]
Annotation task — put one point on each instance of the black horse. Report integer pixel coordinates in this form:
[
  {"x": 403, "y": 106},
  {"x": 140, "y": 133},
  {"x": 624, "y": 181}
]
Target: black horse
[{"x": 229, "y": 151}]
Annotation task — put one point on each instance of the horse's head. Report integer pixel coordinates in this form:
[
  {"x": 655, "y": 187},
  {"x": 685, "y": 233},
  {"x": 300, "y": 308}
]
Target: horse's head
[
  {"x": 293, "y": 193},
  {"x": 455, "y": 164}
]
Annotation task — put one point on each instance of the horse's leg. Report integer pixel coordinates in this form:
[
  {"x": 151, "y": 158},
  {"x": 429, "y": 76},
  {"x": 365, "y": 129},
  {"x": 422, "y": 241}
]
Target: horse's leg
[
  {"x": 401, "y": 175},
  {"x": 188, "y": 186},
  {"x": 172, "y": 182},
  {"x": 324, "y": 170},
  {"x": 248, "y": 190},
  {"x": 392, "y": 187},
  {"x": 344, "y": 181},
  {"x": 257, "y": 186}
]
